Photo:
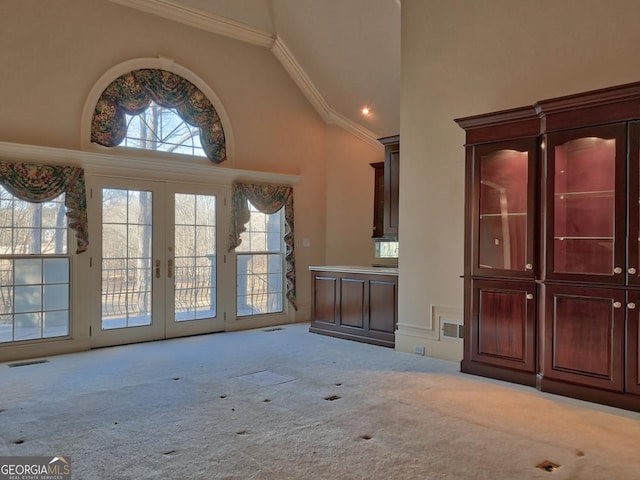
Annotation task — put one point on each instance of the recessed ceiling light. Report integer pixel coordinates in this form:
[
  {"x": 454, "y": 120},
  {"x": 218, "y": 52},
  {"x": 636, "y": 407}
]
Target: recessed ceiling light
[{"x": 365, "y": 110}]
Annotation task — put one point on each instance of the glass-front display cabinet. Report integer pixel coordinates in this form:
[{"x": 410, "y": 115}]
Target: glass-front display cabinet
[
  {"x": 586, "y": 204},
  {"x": 552, "y": 246},
  {"x": 504, "y": 213}
]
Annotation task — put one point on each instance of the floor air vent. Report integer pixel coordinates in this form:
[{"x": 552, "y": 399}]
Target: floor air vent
[
  {"x": 452, "y": 330},
  {"x": 273, "y": 329},
  {"x": 24, "y": 364},
  {"x": 548, "y": 466}
]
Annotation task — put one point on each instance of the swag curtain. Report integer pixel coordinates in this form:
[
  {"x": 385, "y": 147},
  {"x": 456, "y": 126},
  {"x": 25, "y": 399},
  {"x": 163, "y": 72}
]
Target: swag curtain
[
  {"x": 41, "y": 183},
  {"x": 132, "y": 93},
  {"x": 268, "y": 199}
]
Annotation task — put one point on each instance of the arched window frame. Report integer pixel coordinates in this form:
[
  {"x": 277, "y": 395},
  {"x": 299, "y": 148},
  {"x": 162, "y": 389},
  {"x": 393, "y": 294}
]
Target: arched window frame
[{"x": 150, "y": 63}]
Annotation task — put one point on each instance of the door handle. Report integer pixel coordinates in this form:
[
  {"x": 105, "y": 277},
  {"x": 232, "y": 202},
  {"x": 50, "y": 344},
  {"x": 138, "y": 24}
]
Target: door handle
[{"x": 170, "y": 268}]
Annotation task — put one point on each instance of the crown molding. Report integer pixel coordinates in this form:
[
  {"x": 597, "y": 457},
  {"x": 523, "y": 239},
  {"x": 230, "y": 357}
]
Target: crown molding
[
  {"x": 355, "y": 129},
  {"x": 202, "y": 20},
  {"x": 304, "y": 83},
  {"x": 223, "y": 26},
  {"x": 300, "y": 77}
]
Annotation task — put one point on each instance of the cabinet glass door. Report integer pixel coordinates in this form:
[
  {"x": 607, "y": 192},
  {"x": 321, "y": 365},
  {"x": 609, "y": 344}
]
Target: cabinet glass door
[
  {"x": 586, "y": 216},
  {"x": 504, "y": 220},
  {"x": 633, "y": 221}
]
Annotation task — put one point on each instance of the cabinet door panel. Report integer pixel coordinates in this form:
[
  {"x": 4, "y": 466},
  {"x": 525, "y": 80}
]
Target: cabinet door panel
[
  {"x": 584, "y": 336},
  {"x": 503, "y": 208},
  {"x": 352, "y": 303},
  {"x": 632, "y": 381},
  {"x": 383, "y": 301},
  {"x": 378, "y": 200},
  {"x": 633, "y": 219},
  {"x": 586, "y": 204},
  {"x": 503, "y": 324},
  {"x": 324, "y": 300}
]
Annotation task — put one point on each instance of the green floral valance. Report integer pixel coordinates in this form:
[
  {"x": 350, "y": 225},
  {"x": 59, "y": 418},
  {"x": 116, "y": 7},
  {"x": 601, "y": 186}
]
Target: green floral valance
[
  {"x": 41, "y": 183},
  {"x": 133, "y": 92},
  {"x": 268, "y": 199}
]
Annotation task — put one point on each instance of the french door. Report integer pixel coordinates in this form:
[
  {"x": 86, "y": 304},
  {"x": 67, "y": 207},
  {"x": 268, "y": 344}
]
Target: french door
[{"x": 158, "y": 264}]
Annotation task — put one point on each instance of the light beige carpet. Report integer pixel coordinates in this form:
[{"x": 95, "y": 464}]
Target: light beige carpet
[{"x": 287, "y": 404}]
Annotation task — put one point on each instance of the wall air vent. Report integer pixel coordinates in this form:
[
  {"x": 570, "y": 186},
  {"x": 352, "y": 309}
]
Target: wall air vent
[{"x": 452, "y": 330}]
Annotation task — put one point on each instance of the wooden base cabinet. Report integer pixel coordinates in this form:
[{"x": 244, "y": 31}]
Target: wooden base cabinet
[
  {"x": 583, "y": 336},
  {"x": 632, "y": 336},
  {"x": 355, "y": 304},
  {"x": 502, "y": 332},
  {"x": 552, "y": 245}
]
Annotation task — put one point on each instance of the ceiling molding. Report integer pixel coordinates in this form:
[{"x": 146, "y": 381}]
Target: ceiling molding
[
  {"x": 223, "y": 26},
  {"x": 329, "y": 115},
  {"x": 124, "y": 162},
  {"x": 300, "y": 77},
  {"x": 356, "y": 129},
  {"x": 202, "y": 20}
]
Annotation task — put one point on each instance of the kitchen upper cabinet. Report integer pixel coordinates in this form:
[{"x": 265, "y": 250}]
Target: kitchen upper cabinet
[
  {"x": 378, "y": 199},
  {"x": 391, "y": 186},
  {"x": 552, "y": 242}
]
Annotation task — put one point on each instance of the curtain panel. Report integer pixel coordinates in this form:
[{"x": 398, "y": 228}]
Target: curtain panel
[
  {"x": 41, "y": 183},
  {"x": 132, "y": 93},
  {"x": 268, "y": 199}
]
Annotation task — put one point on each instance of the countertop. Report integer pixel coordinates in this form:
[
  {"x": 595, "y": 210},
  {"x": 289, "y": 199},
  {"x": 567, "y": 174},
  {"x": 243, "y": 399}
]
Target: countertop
[{"x": 356, "y": 269}]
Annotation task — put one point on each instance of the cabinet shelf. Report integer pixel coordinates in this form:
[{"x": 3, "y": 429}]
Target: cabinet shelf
[
  {"x": 585, "y": 194},
  {"x": 582, "y": 238},
  {"x": 514, "y": 214}
]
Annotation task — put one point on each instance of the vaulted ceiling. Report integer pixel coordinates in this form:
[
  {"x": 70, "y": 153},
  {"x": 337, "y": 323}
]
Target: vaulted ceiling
[{"x": 343, "y": 54}]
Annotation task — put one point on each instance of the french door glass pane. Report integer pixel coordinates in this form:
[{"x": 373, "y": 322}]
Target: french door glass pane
[
  {"x": 126, "y": 258},
  {"x": 503, "y": 210},
  {"x": 584, "y": 196},
  {"x": 195, "y": 257}
]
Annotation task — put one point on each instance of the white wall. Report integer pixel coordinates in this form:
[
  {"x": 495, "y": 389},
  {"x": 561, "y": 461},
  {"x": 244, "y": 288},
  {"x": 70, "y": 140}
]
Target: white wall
[
  {"x": 466, "y": 57},
  {"x": 350, "y": 187}
]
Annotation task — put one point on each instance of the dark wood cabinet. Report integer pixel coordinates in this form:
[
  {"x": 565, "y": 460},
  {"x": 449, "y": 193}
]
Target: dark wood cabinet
[
  {"x": 387, "y": 196},
  {"x": 355, "y": 304},
  {"x": 586, "y": 204},
  {"x": 632, "y": 337},
  {"x": 503, "y": 198},
  {"x": 502, "y": 330},
  {"x": 500, "y": 247},
  {"x": 378, "y": 199},
  {"x": 552, "y": 282},
  {"x": 584, "y": 336}
]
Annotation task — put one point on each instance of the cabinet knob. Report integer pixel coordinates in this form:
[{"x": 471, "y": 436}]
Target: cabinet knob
[
  {"x": 528, "y": 266},
  {"x": 631, "y": 305},
  {"x": 529, "y": 296},
  {"x": 617, "y": 270},
  {"x": 617, "y": 304},
  {"x": 632, "y": 271}
]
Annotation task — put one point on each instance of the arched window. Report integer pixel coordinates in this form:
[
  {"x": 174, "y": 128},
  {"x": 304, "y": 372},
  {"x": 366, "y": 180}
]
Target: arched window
[
  {"x": 161, "y": 128},
  {"x": 135, "y": 92}
]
